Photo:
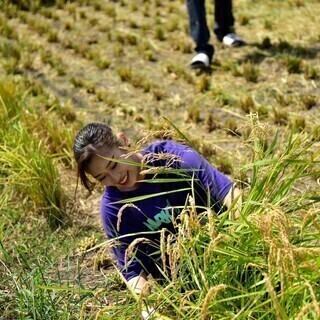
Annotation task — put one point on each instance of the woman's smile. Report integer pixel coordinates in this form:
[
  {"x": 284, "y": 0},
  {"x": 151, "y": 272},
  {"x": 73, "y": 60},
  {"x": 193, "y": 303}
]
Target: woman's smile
[
  {"x": 125, "y": 179},
  {"x": 111, "y": 172}
]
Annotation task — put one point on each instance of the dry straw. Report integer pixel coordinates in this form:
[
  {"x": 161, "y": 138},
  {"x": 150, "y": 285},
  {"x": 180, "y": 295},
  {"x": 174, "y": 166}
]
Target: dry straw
[
  {"x": 305, "y": 311},
  {"x": 214, "y": 243},
  {"x": 163, "y": 250},
  {"x": 133, "y": 245},
  {"x": 273, "y": 295},
  {"x": 155, "y": 171},
  {"x": 275, "y": 228},
  {"x": 145, "y": 291},
  {"x": 170, "y": 159},
  {"x": 208, "y": 298},
  {"x": 315, "y": 303},
  {"x": 121, "y": 210},
  {"x": 174, "y": 251}
]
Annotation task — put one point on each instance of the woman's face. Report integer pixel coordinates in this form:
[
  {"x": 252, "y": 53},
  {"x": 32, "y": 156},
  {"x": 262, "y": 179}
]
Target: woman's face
[{"x": 123, "y": 176}]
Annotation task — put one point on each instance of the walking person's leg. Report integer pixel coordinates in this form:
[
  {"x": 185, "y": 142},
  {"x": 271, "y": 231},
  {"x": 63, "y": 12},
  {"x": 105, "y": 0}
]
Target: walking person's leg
[
  {"x": 224, "y": 24},
  {"x": 224, "y": 19},
  {"x": 200, "y": 34}
]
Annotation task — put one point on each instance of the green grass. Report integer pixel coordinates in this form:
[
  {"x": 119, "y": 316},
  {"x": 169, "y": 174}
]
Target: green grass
[
  {"x": 127, "y": 64},
  {"x": 28, "y": 173},
  {"x": 33, "y": 206},
  {"x": 34, "y": 284},
  {"x": 263, "y": 265}
]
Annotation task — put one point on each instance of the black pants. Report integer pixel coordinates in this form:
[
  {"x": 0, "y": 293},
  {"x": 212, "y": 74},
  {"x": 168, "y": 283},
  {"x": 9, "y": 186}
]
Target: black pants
[{"x": 199, "y": 30}]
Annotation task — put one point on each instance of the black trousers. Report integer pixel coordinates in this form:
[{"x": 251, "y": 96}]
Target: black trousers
[{"x": 199, "y": 30}]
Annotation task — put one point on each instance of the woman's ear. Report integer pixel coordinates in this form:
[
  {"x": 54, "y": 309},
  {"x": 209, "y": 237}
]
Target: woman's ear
[{"x": 123, "y": 138}]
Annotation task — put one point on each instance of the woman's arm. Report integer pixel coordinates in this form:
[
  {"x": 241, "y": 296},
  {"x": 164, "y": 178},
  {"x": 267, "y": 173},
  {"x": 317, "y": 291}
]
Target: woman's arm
[{"x": 233, "y": 195}]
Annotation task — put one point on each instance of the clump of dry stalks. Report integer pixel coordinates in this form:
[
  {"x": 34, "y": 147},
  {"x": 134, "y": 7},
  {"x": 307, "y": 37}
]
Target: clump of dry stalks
[
  {"x": 263, "y": 264},
  {"x": 273, "y": 245}
]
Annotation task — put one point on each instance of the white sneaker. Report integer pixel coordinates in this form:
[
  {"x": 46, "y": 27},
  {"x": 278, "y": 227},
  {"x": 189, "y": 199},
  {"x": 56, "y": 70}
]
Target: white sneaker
[
  {"x": 200, "y": 61},
  {"x": 233, "y": 40}
]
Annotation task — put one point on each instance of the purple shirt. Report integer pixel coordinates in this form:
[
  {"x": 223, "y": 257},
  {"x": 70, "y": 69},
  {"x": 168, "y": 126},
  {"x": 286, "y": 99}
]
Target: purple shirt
[{"x": 147, "y": 217}]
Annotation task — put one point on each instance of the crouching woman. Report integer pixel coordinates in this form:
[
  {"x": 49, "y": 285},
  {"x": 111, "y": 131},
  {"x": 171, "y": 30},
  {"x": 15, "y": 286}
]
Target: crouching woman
[{"x": 145, "y": 192}]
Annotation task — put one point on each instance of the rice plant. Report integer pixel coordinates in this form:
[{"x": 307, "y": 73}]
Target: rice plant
[
  {"x": 125, "y": 73},
  {"x": 101, "y": 62},
  {"x": 311, "y": 72},
  {"x": 283, "y": 99},
  {"x": 244, "y": 20},
  {"x": 250, "y": 71},
  {"x": 308, "y": 101},
  {"x": 57, "y": 143},
  {"x": 32, "y": 175},
  {"x": 52, "y": 36},
  {"x": 204, "y": 83},
  {"x": 280, "y": 116},
  {"x": 247, "y": 104},
  {"x": 266, "y": 43},
  {"x": 193, "y": 114},
  {"x": 28, "y": 172},
  {"x": 11, "y": 109},
  {"x": 160, "y": 34},
  {"x": 294, "y": 64},
  {"x": 211, "y": 123},
  {"x": 264, "y": 265},
  {"x": 232, "y": 127},
  {"x": 298, "y": 123}
]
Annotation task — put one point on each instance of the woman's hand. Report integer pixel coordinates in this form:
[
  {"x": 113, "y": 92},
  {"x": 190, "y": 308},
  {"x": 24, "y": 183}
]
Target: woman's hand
[
  {"x": 148, "y": 314},
  {"x": 233, "y": 199},
  {"x": 136, "y": 284}
]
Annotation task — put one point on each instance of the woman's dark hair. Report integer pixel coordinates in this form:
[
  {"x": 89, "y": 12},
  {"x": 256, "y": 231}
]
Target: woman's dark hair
[{"x": 91, "y": 140}]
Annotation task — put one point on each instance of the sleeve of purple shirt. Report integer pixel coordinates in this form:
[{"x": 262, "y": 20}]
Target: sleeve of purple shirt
[{"x": 210, "y": 177}]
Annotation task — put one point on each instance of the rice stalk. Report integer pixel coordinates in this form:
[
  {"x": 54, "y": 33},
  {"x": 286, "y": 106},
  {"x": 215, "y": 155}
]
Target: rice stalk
[
  {"x": 28, "y": 172},
  {"x": 263, "y": 254}
]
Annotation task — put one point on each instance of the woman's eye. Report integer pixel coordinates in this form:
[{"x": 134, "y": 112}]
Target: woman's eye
[{"x": 102, "y": 178}]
